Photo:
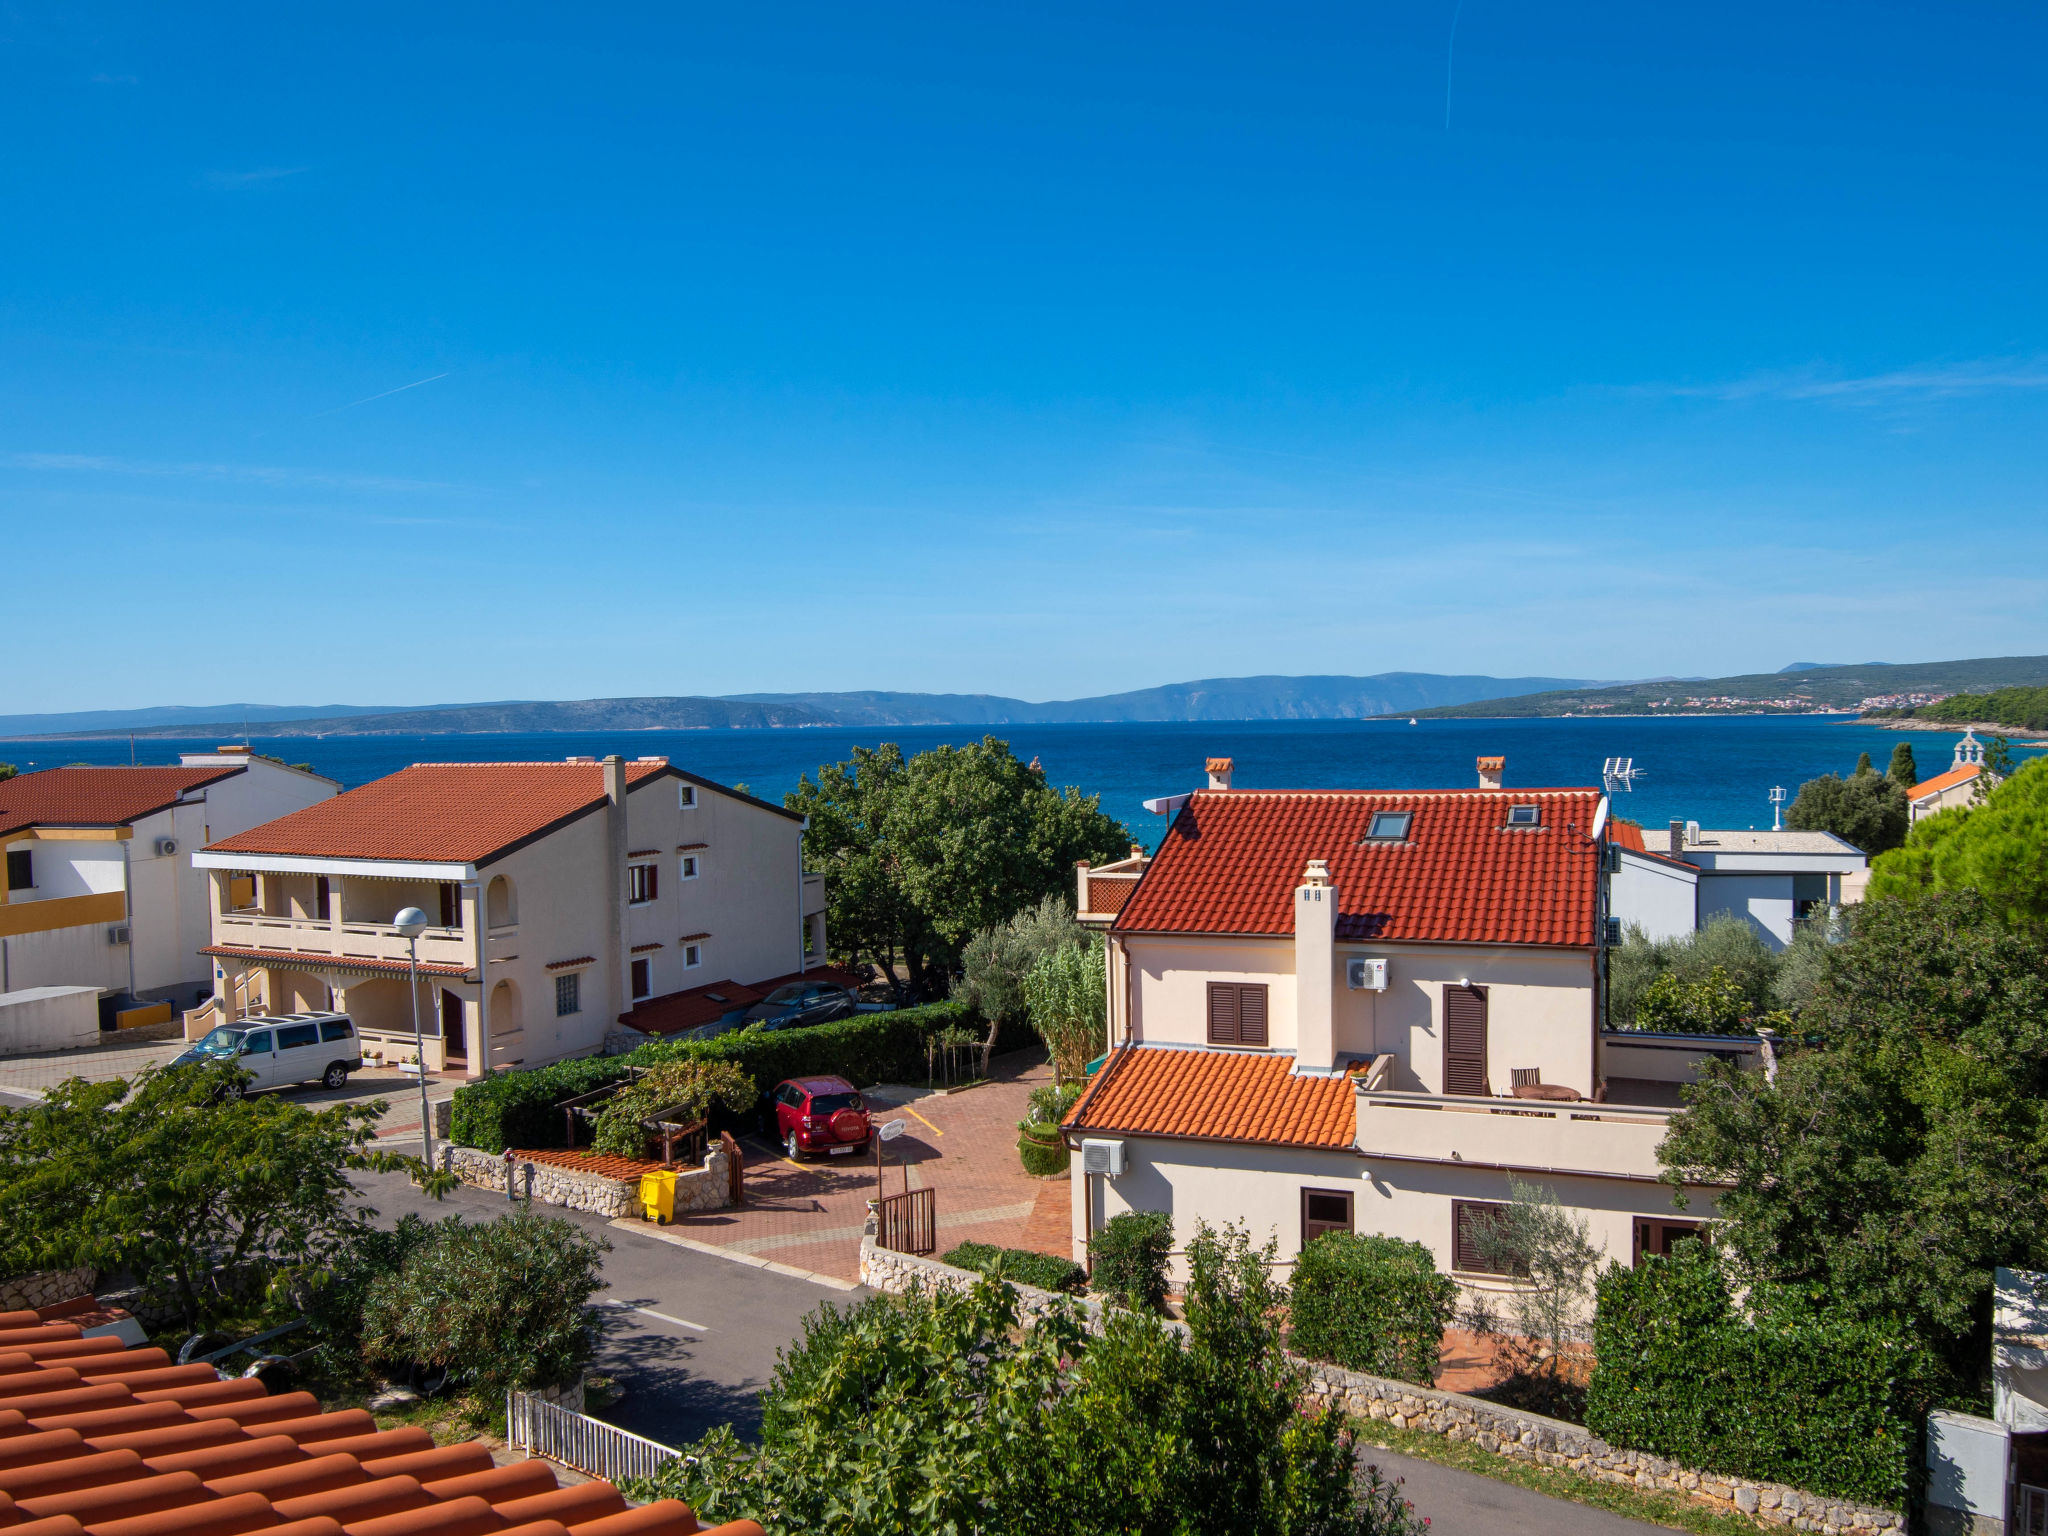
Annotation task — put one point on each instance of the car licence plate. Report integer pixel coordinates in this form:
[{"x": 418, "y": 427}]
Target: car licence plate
[{"x": 837, "y": 1151}]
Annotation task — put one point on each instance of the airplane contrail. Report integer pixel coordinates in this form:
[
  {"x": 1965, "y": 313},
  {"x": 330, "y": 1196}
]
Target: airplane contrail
[
  {"x": 415, "y": 384},
  {"x": 1450, "y": 54}
]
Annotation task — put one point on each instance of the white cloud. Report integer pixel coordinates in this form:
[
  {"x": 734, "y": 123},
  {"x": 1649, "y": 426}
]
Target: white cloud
[
  {"x": 1978, "y": 376},
  {"x": 261, "y": 474}
]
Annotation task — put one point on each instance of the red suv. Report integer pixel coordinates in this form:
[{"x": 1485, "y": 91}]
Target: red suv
[{"x": 820, "y": 1114}]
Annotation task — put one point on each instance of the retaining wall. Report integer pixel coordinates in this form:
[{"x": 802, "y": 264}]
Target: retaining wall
[
  {"x": 45, "y": 1288},
  {"x": 1503, "y": 1431},
  {"x": 697, "y": 1189}
]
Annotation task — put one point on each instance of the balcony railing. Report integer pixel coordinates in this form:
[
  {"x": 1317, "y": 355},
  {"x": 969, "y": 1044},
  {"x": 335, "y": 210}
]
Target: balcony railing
[
  {"x": 312, "y": 936},
  {"x": 1532, "y": 1134}
]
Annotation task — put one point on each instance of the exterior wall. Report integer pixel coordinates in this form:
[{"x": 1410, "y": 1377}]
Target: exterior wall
[
  {"x": 1947, "y": 799},
  {"x": 1660, "y": 900},
  {"x": 49, "y": 1019},
  {"x": 560, "y": 888},
  {"x": 1765, "y": 901}
]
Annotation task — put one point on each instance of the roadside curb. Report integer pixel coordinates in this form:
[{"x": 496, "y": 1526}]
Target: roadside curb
[{"x": 625, "y": 1224}]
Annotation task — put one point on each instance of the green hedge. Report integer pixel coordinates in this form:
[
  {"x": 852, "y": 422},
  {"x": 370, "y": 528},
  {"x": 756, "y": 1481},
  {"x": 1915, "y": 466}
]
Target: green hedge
[
  {"x": 1041, "y": 1148},
  {"x": 1371, "y": 1303},
  {"x": 517, "y": 1108},
  {"x": 1019, "y": 1265},
  {"x": 1783, "y": 1390},
  {"x": 1129, "y": 1255}
]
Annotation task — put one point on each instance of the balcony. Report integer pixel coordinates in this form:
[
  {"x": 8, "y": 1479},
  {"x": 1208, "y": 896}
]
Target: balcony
[
  {"x": 814, "y": 892},
  {"x": 315, "y": 939},
  {"x": 1530, "y": 1135}
]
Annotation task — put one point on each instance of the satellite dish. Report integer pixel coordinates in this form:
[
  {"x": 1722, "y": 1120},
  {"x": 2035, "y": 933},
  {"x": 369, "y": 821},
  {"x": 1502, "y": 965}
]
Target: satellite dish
[{"x": 892, "y": 1130}]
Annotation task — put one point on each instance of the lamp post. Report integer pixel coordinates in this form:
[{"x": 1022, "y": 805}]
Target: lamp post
[{"x": 412, "y": 922}]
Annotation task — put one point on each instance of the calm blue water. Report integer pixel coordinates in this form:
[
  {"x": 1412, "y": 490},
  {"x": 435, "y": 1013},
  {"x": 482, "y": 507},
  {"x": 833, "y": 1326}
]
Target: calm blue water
[{"x": 1712, "y": 771}]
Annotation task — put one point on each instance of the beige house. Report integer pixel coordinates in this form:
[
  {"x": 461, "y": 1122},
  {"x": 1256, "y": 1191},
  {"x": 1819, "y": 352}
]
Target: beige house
[
  {"x": 101, "y": 889},
  {"x": 1957, "y": 786},
  {"x": 561, "y": 894},
  {"x": 1368, "y": 1010}
]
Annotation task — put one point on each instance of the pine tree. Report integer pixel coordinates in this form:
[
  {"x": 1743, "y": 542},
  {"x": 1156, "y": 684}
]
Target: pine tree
[
  {"x": 1863, "y": 765},
  {"x": 1903, "y": 771}
]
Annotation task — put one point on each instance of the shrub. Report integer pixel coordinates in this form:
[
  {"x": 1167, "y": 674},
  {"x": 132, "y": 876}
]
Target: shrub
[
  {"x": 1018, "y": 1265},
  {"x": 499, "y": 1305},
  {"x": 1371, "y": 1303},
  {"x": 1784, "y": 1389},
  {"x": 1866, "y": 809},
  {"x": 691, "y": 1087},
  {"x": 1067, "y": 995},
  {"x": 339, "y": 1294},
  {"x": 1129, "y": 1256},
  {"x": 1711, "y": 1005},
  {"x": 1042, "y": 1149},
  {"x": 517, "y": 1108},
  {"x": 1051, "y": 1101},
  {"x": 996, "y": 960},
  {"x": 1709, "y": 966}
]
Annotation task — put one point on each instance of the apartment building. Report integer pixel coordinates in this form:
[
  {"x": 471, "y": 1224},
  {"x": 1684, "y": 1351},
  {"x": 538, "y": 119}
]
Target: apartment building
[
  {"x": 1369, "y": 1011},
  {"x": 559, "y": 895},
  {"x": 101, "y": 887},
  {"x": 1669, "y": 882}
]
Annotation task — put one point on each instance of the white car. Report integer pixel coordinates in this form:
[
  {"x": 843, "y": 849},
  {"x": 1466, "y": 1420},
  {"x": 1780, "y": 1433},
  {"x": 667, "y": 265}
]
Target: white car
[{"x": 282, "y": 1049}]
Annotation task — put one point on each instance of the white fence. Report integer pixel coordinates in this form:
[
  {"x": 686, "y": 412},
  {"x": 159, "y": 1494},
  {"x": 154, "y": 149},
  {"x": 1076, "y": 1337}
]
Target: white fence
[{"x": 576, "y": 1440}]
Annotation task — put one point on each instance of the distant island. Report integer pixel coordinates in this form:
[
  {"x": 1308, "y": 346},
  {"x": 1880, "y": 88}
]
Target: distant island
[
  {"x": 2023, "y": 711},
  {"x": 1807, "y": 690}
]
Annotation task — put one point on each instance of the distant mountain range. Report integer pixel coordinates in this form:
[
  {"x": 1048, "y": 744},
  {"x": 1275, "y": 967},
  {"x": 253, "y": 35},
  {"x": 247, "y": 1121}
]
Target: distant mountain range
[
  {"x": 1802, "y": 687},
  {"x": 1217, "y": 698}
]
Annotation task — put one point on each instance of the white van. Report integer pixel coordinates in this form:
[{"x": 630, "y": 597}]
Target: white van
[{"x": 282, "y": 1049}]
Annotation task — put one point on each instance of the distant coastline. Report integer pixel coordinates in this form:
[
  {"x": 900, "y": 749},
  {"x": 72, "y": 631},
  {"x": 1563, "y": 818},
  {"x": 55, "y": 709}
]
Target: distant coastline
[{"x": 1943, "y": 728}]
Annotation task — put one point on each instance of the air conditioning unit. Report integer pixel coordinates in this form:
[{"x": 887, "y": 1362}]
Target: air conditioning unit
[
  {"x": 1103, "y": 1157},
  {"x": 1692, "y": 835},
  {"x": 166, "y": 846},
  {"x": 118, "y": 934},
  {"x": 1363, "y": 975}
]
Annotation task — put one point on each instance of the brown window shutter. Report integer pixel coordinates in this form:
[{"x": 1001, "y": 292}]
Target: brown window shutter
[
  {"x": 1251, "y": 1015},
  {"x": 1465, "y": 1041},
  {"x": 1324, "y": 1210},
  {"x": 448, "y": 913},
  {"x": 1222, "y": 1013},
  {"x": 1469, "y": 1220}
]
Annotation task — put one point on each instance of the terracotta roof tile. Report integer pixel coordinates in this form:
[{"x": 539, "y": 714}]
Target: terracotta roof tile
[
  {"x": 1232, "y": 858},
  {"x": 1216, "y": 1096},
  {"x": 439, "y": 812},
  {"x": 1928, "y": 788},
  {"x": 563, "y": 965},
  {"x": 97, "y": 797}
]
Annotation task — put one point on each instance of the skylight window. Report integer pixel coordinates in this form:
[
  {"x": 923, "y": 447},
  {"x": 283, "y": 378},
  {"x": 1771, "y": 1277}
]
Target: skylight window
[
  {"x": 1525, "y": 815},
  {"x": 1389, "y": 826}
]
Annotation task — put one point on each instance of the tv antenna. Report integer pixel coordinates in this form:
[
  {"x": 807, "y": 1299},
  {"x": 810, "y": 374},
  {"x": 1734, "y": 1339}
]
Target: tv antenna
[
  {"x": 1619, "y": 773},
  {"x": 1777, "y": 799}
]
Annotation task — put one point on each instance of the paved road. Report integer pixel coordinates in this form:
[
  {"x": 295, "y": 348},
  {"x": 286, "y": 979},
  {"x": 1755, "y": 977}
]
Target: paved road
[
  {"x": 710, "y": 1349},
  {"x": 1466, "y": 1504}
]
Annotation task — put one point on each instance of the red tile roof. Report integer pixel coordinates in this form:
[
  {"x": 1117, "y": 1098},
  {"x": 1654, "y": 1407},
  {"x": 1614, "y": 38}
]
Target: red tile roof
[
  {"x": 563, "y": 965},
  {"x": 456, "y": 813},
  {"x": 98, "y": 1440},
  {"x": 1206, "y": 1095},
  {"x": 673, "y": 1012},
  {"x": 98, "y": 797},
  {"x": 1926, "y": 789},
  {"x": 306, "y": 959},
  {"x": 1232, "y": 859}
]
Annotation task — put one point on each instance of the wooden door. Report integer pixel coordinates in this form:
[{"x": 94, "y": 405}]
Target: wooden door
[
  {"x": 1465, "y": 1041},
  {"x": 454, "y": 1038}
]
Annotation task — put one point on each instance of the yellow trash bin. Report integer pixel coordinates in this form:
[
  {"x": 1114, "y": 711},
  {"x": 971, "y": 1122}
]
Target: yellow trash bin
[{"x": 658, "y": 1195}]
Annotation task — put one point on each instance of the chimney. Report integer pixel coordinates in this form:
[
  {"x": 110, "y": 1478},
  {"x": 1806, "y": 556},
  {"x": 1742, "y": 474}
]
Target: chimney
[
  {"x": 1315, "y": 970},
  {"x": 1490, "y": 771},
  {"x": 1137, "y": 850},
  {"x": 618, "y": 965},
  {"x": 1677, "y": 838},
  {"x": 1080, "y": 885},
  {"x": 1219, "y": 772}
]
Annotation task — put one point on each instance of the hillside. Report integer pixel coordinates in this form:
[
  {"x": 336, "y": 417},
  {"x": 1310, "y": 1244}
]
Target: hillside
[
  {"x": 520, "y": 717},
  {"x": 1818, "y": 689}
]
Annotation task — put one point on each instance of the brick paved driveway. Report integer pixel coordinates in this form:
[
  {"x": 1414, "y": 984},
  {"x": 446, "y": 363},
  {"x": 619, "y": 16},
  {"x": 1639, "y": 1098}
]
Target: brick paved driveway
[{"x": 962, "y": 1145}]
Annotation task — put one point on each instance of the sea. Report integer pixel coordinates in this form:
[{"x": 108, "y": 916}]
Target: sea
[{"x": 1717, "y": 770}]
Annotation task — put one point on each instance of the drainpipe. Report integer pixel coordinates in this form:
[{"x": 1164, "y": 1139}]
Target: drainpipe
[
  {"x": 803, "y": 922},
  {"x": 128, "y": 902}
]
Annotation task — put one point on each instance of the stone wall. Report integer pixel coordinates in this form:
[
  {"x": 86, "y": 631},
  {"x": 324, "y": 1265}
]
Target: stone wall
[
  {"x": 1503, "y": 1431},
  {"x": 697, "y": 1189},
  {"x": 45, "y": 1288}
]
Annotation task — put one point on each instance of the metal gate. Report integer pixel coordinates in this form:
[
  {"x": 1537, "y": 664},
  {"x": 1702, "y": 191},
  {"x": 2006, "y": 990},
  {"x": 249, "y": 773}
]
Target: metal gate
[
  {"x": 908, "y": 1223},
  {"x": 577, "y": 1440}
]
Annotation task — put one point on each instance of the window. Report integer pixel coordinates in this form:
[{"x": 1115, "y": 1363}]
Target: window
[
  {"x": 21, "y": 870},
  {"x": 1472, "y": 1224},
  {"x": 1660, "y": 1237},
  {"x": 640, "y": 883},
  {"x": 323, "y": 899},
  {"x": 451, "y": 913},
  {"x": 1324, "y": 1210},
  {"x": 256, "y": 1043},
  {"x": 1237, "y": 1013},
  {"x": 335, "y": 1029},
  {"x": 1465, "y": 1041},
  {"x": 689, "y": 866},
  {"x": 693, "y": 956},
  {"x": 568, "y": 994},
  {"x": 295, "y": 1035},
  {"x": 686, "y": 797},
  {"x": 1389, "y": 826},
  {"x": 643, "y": 978},
  {"x": 1525, "y": 815}
]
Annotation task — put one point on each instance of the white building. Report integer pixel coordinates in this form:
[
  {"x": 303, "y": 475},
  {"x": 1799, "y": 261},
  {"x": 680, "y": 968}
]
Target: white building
[
  {"x": 1671, "y": 882},
  {"x": 561, "y": 895},
  {"x": 101, "y": 887},
  {"x": 1369, "y": 1010},
  {"x": 1957, "y": 786}
]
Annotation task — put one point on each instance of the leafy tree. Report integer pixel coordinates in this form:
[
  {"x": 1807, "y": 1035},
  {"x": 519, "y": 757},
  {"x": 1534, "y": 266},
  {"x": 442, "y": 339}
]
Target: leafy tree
[
  {"x": 1067, "y": 994},
  {"x": 1866, "y": 809},
  {"x": 691, "y": 1086},
  {"x": 1903, "y": 771},
  {"x": 997, "y": 959},
  {"x": 923, "y": 854},
  {"x": 1729, "y": 951},
  {"x": 1901, "y": 1153},
  {"x": 1537, "y": 1240},
  {"x": 1712, "y": 1004},
  {"x": 1995, "y": 848},
  {"x": 1863, "y": 764},
  {"x": 501, "y": 1304},
  {"x": 176, "y": 1178},
  {"x": 7, "y": 771},
  {"x": 949, "y": 1412},
  {"x": 1129, "y": 1253}
]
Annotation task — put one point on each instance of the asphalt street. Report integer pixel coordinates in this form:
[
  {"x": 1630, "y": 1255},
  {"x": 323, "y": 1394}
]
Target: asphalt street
[{"x": 1465, "y": 1504}]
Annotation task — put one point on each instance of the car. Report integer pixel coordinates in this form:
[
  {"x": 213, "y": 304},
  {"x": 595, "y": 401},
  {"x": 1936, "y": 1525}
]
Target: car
[
  {"x": 822, "y": 1115},
  {"x": 796, "y": 1004},
  {"x": 282, "y": 1049}
]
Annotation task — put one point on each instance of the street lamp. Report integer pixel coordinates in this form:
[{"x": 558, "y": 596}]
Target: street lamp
[{"x": 412, "y": 922}]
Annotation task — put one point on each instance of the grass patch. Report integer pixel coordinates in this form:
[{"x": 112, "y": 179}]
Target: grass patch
[{"x": 1676, "y": 1510}]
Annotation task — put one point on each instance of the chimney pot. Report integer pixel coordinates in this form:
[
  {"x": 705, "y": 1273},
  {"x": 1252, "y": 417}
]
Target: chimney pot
[
  {"x": 1317, "y": 873},
  {"x": 1491, "y": 770},
  {"x": 1219, "y": 772}
]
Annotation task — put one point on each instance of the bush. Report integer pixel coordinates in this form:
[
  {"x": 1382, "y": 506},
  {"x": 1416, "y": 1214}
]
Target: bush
[
  {"x": 1786, "y": 1390},
  {"x": 1710, "y": 969},
  {"x": 1051, "y": 1101},
  {"x": 1866, "y": 810},
  {"x": 1067, "y": 995},
  {"x": 517, "y": 1108},
  {"x": 996, "y": 960},
  {"x": 1371, "y": 1303},
  {"x": 500, "y": 1305},
  {"x": 1129, "y": 1256},
  {"x": 691, "y": 1088},
  {"x": 1018, "y": 1265},
  {"x": 1042, "y": 1149},
  {"x": 338, "y": 1295}
]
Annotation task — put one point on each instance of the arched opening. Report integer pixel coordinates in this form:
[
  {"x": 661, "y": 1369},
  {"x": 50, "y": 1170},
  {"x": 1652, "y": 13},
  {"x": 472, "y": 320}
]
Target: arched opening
[
  {"x": 500, "y": 909},
  {"x": 506, "y": 1017}
]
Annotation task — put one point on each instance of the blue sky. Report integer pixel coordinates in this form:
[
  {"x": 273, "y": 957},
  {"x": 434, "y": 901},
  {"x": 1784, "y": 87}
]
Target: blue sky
[{"x": 403, "y": 354}]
